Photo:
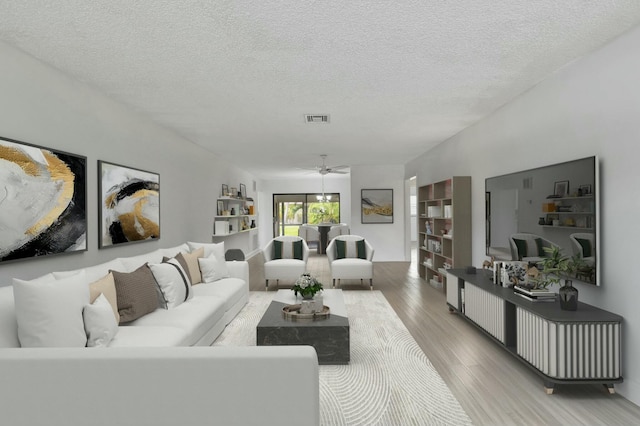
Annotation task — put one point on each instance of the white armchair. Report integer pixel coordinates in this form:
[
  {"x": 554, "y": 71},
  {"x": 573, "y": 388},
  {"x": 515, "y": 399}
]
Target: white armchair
[
  {"x": 285, "y": 258},
  {"x": 528, "y": 247},
  {"x": 584, "y": 244},
  {"x": 347, "y": 261}
]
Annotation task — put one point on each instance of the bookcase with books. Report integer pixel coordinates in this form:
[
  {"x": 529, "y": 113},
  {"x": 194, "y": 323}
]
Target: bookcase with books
[{"x": 444, "y": 228}]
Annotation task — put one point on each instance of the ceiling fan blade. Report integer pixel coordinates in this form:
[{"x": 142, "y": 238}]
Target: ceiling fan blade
[
  {"x": 331, "y": 170},
  {"x": 337, "y": 167}
]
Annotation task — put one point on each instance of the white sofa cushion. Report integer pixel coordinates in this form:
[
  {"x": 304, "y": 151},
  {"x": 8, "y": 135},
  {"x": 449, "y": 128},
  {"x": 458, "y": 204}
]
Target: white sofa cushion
[
  {"x": 216, "y": 249},
  {"x": 128, "y": 337},
  {"x": 99, "y": 323},
  {"x": 350, "y": 268},
  {"x": 50, "y": 313},
  {"x": 231, "y": 290},
  {"x": 172, "y": 281},
  {"x": 173, "y": 251},
  {"x": 213, "y": 268},
  {"x": 284, "y": 269},
  {"x": 8, "y": 323},
  {"x": 134, "y": 262},
  {"x": 196, "y": 317},
  {"x": 98, "y": 271}
]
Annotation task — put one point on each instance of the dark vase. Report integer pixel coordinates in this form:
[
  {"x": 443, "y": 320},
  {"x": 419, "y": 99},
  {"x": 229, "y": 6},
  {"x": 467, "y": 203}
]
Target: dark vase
[
  {"x": 541, "y": 221},
  {"x": 568, "y": 296}
]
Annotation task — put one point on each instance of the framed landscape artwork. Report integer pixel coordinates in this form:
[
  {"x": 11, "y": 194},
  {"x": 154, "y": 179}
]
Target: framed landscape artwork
[
  {"x": 377, "y": 206},
  {"x": 129, "y": 205},
  {"x": 43, "y": 196}
]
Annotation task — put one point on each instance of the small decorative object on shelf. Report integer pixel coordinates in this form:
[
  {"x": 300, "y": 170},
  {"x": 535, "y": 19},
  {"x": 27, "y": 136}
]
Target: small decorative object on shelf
[
  {"x": 568, "y": 296},
  {"x": 307, "y": 286}
]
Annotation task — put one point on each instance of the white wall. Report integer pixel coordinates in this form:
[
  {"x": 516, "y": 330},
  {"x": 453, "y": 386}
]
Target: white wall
[
  {"x": 388, "y": 240},
  {"x": 591, "y": 107},
  {"x": 42, "y": 106}
]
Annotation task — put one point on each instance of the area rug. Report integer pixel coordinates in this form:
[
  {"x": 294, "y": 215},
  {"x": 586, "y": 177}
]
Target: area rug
[{"x": 389, "y": 380}]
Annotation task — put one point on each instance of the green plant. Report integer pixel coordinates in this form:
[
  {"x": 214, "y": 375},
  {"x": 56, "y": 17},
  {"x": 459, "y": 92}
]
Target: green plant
[
  {"x": 557, "y": 266},
  {"x": 306, "y": 285}
]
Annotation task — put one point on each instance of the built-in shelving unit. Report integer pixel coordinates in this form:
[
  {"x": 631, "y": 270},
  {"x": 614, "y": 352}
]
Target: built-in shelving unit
[
  {"x": 444, "y": 228},
  {"x": 236, "y": 224}
]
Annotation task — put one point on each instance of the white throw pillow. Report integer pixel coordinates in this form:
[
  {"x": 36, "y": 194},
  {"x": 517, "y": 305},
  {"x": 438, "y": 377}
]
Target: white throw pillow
[
  {"x": 212, "y": 269},
  {"x": 173, "y": 282},
  {"x": 216, "y": 250},
  {"x": 49, "y": 314},
  {"x": 99, "y": 323}
]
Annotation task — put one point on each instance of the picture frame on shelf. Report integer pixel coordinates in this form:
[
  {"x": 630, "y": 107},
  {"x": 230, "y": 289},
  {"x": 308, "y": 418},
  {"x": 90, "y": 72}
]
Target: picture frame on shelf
[
  {"x": 220, "y": 207},
  {"x": 225, "y": 190},
  {"x": 243, "y": 191},
  {"x": 234, "y": 192},
  {"x": 585, "y": 189},
  {"x": 561, "y": 188}
]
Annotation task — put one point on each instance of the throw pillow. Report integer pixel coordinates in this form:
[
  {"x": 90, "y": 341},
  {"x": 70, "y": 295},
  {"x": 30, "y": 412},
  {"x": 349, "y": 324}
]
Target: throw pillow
[
  {"x": 586, "y": 247},
  {"x": 287, "y": 249},
  {"x": 99, "y": 322},
  {"x": 540, "y": 247},
  {"x": 172, "y": 281},
  {"x": 49, "y": 313},
  {"x": 136, "y": 293},
  {"x": 351, "y": 249},
  {"x": 107, "y": 287},
  {"x": 210, "y": 268},
  {"x": 189, "y": 262},
  {"x": 213, "y": 249},
  {"x": 521, "y": 246}
]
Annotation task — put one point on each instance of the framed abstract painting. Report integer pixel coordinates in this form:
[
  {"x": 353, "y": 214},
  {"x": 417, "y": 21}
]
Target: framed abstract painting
[
  {"x": 43, "y": 209},
  {"x": 377, "y": 206},
  {"x": 129, "y": 208}
]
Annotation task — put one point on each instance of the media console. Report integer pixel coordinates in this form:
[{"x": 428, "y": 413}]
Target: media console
[{"x": 563, "y": 347}]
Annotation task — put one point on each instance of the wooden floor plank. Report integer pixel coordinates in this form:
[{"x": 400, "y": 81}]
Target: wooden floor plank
[{"x": 492, "y": 386}]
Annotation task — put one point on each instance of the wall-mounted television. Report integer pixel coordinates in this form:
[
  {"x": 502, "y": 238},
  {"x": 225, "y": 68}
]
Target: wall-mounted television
[{"x": 556, "y": 204}]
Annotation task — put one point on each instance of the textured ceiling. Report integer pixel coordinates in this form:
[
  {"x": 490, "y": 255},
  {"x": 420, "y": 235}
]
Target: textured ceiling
[{"x": 237, "y": 77}]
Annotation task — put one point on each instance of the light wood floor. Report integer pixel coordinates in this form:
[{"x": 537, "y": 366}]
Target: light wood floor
[{"x": 492, "y": 386}]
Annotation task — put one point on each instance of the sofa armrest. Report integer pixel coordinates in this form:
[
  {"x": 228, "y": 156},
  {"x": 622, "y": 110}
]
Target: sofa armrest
[
  {"x": 159, "y": 386},
  {"x": 239, "y": 269}
]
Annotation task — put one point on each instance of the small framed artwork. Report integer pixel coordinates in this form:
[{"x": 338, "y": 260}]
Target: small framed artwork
[
  {"x": 243, "y": 191},
  {"x": 585, "y": 189},
  {"x": 225, "y": 190},
  {"x": 234, "y": 192},
  {"x": 43, "y": 195},
  {"x": 129, "y": 207},
  {"x": 220, "y": 207},
  {"x": 561, "y": 188},
  {"x": 376, "y": 206}
]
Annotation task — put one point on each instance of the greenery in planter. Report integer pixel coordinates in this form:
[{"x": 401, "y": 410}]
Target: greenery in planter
[
  {"x": 306, "y": 285},
  {"x": 556, "y": 266}
]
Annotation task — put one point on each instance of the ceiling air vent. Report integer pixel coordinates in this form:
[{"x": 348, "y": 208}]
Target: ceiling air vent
[{"x": 316, "y": 118}]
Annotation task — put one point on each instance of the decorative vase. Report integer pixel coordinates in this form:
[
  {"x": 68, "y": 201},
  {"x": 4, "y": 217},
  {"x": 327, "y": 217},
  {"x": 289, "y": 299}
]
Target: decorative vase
[
  {"x": 568, "y": 296},
  {"x": 307, "y": 296}
]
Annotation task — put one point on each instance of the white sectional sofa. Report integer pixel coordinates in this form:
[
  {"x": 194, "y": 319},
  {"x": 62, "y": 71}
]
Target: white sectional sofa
[{"x": 151, "y": 373}]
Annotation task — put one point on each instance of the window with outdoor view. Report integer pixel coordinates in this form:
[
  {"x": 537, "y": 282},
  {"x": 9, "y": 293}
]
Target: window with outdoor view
[{"x": 292, "y": 210}]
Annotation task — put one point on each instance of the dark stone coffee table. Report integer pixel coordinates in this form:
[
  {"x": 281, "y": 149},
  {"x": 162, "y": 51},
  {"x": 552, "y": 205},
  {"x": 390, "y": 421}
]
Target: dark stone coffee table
[{"x": 330, "y": 337}]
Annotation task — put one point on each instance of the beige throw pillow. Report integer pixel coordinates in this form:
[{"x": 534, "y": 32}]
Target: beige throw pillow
[
  {"x": 189, "y": 262},
  {"x": 107, "y": 286}
]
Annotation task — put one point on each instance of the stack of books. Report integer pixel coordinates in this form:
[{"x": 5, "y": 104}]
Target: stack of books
[{"x": 538, "y": 295}]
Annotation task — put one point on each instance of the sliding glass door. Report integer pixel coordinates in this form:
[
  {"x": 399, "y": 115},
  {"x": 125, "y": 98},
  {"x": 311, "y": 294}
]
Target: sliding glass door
[{"x": 292, "y": 210}]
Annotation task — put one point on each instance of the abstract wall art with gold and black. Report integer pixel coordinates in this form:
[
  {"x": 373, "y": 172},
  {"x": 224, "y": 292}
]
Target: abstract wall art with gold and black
[
  {"x": 129, "y": 204},
  {"x": 42, "y": 201}
]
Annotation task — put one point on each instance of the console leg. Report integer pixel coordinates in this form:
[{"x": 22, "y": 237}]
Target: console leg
[{"x": 610, "y": 388}]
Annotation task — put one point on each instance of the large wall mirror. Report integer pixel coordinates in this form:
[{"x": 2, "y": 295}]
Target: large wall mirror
[{"x": 552, "y": 205}]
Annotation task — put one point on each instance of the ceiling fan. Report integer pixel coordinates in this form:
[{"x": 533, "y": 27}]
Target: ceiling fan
[{"x": 325, "y": 170}]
